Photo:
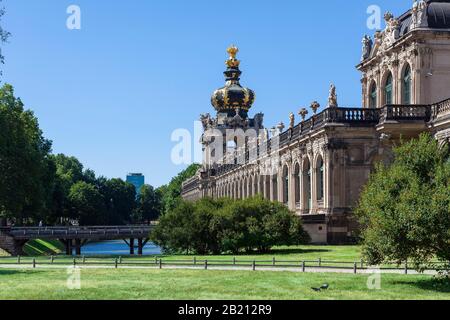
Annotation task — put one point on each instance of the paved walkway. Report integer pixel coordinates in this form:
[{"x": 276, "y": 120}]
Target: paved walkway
[{"x": 222, "y": 268}]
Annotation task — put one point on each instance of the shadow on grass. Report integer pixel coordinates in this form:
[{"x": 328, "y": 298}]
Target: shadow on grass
[
  {"x": 9, "y": 272},
  {"x": 432, "y": 284},
  {"x": 297, "y": 251},
  {"x": 275, "y": 252}
]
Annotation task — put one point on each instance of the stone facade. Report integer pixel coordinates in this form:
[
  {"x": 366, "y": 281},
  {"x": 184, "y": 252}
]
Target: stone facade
[{"x": 319, "y": 166}]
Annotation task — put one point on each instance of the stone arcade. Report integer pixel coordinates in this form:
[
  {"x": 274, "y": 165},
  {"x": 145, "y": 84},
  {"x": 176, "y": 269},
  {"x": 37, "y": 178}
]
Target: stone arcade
[{"x": 318, "y": 166}]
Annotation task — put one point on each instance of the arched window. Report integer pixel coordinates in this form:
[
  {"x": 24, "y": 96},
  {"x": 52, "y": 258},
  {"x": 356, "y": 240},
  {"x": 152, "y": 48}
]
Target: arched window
[
  {"x": 320, "y": 179},
  {"x": 307, "y": 185},
  {"x": 388, "y": 89},
  {"x": 275, "y": 187},
  {"x": 285, "y": 185},
  {"x": 297, "y": 184},
  {"x": 245, "y": 189},
  {"x": 261, "y": 185},
  {"x": 267, "y": 195},
  {"x": 373, "y": 96},
  {"x": 406, "y": 84}
]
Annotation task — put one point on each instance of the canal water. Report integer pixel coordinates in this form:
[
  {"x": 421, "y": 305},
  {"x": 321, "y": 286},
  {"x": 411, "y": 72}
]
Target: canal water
[{"x": 116, "y": 247}]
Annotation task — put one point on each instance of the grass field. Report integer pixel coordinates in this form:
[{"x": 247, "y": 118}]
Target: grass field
[
  {"x": 200, "y": 285},
  {"x": 211, "y": 284},
  {"x": 334, "y": 253},
  {"x": 42, "y": 248}
]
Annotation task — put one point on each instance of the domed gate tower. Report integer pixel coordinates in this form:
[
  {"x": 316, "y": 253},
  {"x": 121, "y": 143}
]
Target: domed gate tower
[{"x": 232, "y": 129}]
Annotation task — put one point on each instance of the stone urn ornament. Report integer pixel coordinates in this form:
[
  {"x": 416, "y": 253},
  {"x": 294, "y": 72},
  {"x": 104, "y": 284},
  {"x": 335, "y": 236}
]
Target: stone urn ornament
[
  {"x": 315, "y": 106},
  {"x": 303, "y": 113},
  {"x": 291, "y": 120}
]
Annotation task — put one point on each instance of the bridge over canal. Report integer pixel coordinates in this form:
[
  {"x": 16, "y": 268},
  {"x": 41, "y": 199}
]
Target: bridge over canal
[{"x": 13, "y": 239}]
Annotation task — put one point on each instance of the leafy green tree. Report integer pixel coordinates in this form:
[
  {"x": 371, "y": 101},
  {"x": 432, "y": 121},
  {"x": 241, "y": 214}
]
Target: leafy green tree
[
  {"x": 216, "y": 226},
  {"x": 173, "y": 232},
  {"x": 26, "y": 170},
  {"x": 69, "y": 171},
  {"x": 87, "y": 204},
  {"x": 148, "y": 204},
  {"x": 257, "y": 224},
  {"x": 172, "y": 192},
  {"x": 404, "y": 210},
  {"x": 120, "y": 200}
]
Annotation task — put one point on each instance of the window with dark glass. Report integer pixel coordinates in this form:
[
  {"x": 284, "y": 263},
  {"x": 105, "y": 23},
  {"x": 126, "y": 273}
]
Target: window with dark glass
[
  {"x": 388, "y": 90},
  {"x": 406, "y": 79},
  {"x": 373, "y": 96},
  {"x": 320, "y": 180}
]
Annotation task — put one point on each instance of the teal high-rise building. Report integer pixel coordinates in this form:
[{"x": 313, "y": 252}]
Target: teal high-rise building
[{"x": 137, "y": 180}]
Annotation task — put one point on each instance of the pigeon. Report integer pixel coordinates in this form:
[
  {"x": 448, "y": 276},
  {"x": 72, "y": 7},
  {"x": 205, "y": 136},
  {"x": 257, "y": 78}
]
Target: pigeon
[
  {"x": 316, "y": 289},
  {"x": 325, "y": 286}
]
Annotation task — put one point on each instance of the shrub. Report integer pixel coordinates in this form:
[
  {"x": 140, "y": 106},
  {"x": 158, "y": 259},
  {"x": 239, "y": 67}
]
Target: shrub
[
  {"x": 405, "y": 208},
  {"x": 218, "y": 226}
]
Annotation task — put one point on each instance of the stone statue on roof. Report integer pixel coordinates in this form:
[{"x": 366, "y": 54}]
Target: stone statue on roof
[
  {"x": 332, "y": 99},
  {"x": 367, "y": 47}
]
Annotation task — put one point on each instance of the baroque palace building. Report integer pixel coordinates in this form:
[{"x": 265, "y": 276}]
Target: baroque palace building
[{"x": 318, "y": 166}]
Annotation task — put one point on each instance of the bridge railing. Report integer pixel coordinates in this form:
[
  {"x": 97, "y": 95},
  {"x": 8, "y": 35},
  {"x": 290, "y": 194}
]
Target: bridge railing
[{"x": 75, "y": 230}]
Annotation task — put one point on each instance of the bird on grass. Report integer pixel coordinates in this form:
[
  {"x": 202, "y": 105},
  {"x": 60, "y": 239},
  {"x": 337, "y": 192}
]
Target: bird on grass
[{"x": 323, "y": 287}]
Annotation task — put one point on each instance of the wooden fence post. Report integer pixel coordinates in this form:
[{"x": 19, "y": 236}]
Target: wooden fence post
[
  {"x": 34, "y": 263},
  {"x": 160, "y": 263},
  {"x": 254, "y": 265},
  {"x": 406, "y": 267},
  {"x": 115, "y": 263},
  {"x": 74, "y": 262},
  {"x": 303, "y": 266},
  {"x": 206, "y": 264},
  {"x": 195, "y": 261},
  {"x": 274, "y": 261},
  {"x": 320, "y": 262},
  {"x": 234, "y": 261},
  {"x": 355, "y": 268},
  {"x": 18, "y": 259}
]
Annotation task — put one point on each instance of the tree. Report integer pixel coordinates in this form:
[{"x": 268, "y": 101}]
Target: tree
[
  {"x": 120, "y": 200},
  {"x": 4, "y": 35},
  {"x": 87, "y": 204},
  {"x": 69, "y": 171},
  {"x": 257, "y": 224},
  {"x": 217, "y": 226},
  {"x": 173, "y": 232},
  {"x": 149, "y": 204},
  {"x": 26, "y": 169},
  {"x": 404, "y": 210},
  {"x": 172, "y": 192}
]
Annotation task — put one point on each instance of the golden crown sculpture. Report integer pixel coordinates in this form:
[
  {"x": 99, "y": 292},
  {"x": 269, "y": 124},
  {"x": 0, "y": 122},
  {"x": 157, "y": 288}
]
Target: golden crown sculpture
[{"x": 232, "y": 62}]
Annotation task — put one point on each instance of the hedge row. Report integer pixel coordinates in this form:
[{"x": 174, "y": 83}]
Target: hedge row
[{"x": 228, "y": 226}]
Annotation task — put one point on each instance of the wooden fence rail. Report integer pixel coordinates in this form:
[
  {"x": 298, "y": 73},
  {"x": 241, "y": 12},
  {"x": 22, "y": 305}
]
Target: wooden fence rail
[{"x": 254, "y": 265}]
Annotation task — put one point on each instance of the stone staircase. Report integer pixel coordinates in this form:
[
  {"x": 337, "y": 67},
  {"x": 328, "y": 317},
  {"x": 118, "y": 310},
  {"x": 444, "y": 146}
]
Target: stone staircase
[{"x": 10, "y": 245}]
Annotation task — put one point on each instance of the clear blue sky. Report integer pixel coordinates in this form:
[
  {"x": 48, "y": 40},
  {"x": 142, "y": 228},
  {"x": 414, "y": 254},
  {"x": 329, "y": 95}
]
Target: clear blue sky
[{"x": 112, "y": 93}]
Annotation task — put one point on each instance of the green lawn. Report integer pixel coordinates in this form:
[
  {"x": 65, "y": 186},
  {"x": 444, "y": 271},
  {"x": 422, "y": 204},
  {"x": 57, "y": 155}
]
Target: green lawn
[
  {"x": 42, "y": 248},
  {"x": 331, "y": 253},
  {"x": 201, "y": 285}
]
